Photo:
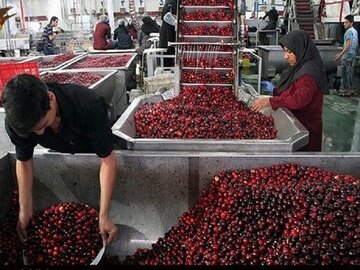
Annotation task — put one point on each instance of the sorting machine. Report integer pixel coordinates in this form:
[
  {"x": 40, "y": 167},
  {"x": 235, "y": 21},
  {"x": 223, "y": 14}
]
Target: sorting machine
[{"x": 195, "y": 41}]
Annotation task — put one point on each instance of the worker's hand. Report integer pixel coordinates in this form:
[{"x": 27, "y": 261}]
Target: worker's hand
[
  {"x": 338, "y": 56},
  {"x": 260, "y": 104},
  {"x": 108, "y": 230},
  {"x": 24, "y": 218}
]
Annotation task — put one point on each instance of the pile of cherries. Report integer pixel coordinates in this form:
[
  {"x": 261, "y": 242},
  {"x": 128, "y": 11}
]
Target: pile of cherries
[
  {"x": 202, "y": 15},
  {"x": 10, "y": 245},
  {"x": 215, "y": 77},
  {"x": 63, "y": 234},
  {"x": 205, "y": 30},
  {"x": 84, "y": 78},
  {"x": 286, "y": 214},
  {"x": 203, "y": 113},
  {"x": 57, "y": 60},
  {"x": 228, "y": 3},
  {"x": 208, "y": 62},
  {"x": 102, "y": 62}
]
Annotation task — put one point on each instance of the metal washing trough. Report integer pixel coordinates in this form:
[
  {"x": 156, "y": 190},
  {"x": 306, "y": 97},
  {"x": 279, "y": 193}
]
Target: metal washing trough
[
  {"x": 84, "y": 57},
  {"x": 291, "y": 135},
  {"x": 47, "y": 58},
  {"x": 104, "y": 87},
  {"x": 153, "y": 188},
  {"x": 122, "y": 77}
]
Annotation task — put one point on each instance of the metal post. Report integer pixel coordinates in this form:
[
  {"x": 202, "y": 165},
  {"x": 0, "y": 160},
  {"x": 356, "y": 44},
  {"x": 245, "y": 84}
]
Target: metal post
[
  {"x": 110, "y": 11},
  {"x": 259, "y": 59}
]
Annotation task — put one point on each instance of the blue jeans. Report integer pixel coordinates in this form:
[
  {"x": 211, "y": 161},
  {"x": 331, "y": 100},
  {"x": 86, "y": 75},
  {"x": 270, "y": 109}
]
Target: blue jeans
[{"x": 346, "y": 74}]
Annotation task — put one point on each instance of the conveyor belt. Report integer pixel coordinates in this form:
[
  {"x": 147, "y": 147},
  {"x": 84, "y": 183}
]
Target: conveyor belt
[{"x": 305, "y": 16}]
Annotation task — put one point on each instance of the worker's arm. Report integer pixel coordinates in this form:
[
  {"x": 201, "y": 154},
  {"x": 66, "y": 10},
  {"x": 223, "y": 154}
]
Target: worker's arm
[
  {"x": 299, "y": 95},
  {"x": 53, "y": 36},
  {"x": 107, "y": 180},
  {"x": 344, "y": 50},
  {"x": 25, "y": 178}
]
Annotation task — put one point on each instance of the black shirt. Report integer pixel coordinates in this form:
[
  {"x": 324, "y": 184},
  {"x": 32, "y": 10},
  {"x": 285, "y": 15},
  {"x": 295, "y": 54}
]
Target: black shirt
[{"x": 84, "y": 126}]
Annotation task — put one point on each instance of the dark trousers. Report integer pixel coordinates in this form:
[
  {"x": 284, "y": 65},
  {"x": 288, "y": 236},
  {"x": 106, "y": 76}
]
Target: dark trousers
[{"x": 48, "y": 50}]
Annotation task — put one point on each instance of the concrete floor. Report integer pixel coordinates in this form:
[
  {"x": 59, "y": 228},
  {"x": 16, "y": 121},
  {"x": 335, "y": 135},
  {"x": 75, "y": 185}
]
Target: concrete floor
[{"x": 341, "y": 122}]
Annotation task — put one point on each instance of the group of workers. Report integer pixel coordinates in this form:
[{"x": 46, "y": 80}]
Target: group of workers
[
  {"x": 122, "y": 38},
  {"x": 68, "y": 118}
]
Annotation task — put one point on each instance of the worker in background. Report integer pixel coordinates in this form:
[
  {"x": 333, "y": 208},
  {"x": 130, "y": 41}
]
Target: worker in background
[
  {"x": 272, "y": 24},
  {"x": 148, "y": 26},
  {"x": 102, "y": 35},
  {"x": 301, "y": 86},
  {"x": 132, "y": 30},
  {"x": 63, "y": 117},
  {"x": 49, "y": 36},
  {"x": 122, "y": 37},
  {"x": 348, "y": 56},
  {"x": 167, "y": 31}
]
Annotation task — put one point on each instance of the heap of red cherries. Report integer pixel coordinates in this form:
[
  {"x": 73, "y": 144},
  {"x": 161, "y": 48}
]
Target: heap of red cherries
[
  {"x": 84, "y": 78},
  {"x": 203, "y": 113},
  {"x": 286, "y": 214},
  {"x": 57, "y": 60},
  {"x": 102, "y": 62},
  {"x": 63, "y": 234}
]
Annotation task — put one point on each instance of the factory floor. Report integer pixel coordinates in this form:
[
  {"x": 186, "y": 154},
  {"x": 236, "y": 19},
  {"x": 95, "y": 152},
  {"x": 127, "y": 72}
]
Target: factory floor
[{"x": 341, "y": 117}]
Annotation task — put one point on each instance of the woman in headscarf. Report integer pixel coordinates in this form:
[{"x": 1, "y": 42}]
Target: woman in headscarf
[
  {"x": 122, "y": 37},
  {"x": 102, "y": 35},
  {"x": 148, "y": 26},
  {"x": 301, "y": 86}
]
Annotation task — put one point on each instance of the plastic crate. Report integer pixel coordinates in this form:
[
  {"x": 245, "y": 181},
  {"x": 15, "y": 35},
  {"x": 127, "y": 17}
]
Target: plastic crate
[
  {"x": 9, "y": 71},
  {"x": 152, "y": 84}
]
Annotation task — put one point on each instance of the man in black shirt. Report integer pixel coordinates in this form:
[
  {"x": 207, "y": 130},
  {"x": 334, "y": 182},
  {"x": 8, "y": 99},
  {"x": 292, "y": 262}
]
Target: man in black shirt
[{"x": 64, "y": 117}]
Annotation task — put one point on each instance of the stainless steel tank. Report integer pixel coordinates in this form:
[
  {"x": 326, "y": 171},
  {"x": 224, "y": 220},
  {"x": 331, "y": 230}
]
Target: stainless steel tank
[
  {"x": 153, "y": 188},
  {"x": 291, "y": 135},
  {"x": 273, "y": 61}
]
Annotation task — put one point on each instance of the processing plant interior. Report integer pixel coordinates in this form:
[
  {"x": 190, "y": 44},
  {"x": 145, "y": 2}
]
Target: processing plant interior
[{"x": 179, "y": 132}]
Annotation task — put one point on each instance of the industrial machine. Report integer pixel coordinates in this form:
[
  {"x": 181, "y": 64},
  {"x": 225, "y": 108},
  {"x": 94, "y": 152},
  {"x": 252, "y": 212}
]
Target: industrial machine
[{"x": 209, "y": 49}]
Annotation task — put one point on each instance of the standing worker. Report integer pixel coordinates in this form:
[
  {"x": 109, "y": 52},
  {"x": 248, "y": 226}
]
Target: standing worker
[
  {"x": 63, "y": 117},
  {"x": 272, "y": 24},
  {"x": 348, "y": 56},
  {"x": 102, "y": 34},
  {"x": 301, "y": 86},
  {"x": 148, "y": 26},
  {"x": 167, "y": 32},
  {"x": 49, "y": 36}
]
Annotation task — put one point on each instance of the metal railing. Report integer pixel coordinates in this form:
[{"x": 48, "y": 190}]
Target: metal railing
[{"x": 258, "y": 58}]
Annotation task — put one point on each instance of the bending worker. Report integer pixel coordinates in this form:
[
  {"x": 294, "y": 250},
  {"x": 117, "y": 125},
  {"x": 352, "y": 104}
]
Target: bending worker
[
  {"x": 301, "y": 86},
  {"x": 64, "y": 117}
]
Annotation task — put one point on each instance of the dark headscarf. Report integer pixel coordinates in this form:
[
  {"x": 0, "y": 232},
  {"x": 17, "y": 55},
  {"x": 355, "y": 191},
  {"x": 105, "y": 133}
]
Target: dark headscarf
[
  {"x": 149, "y": 25},
  {"x": 169, "y": 4},
  {"x": 308, "y": 61}
]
